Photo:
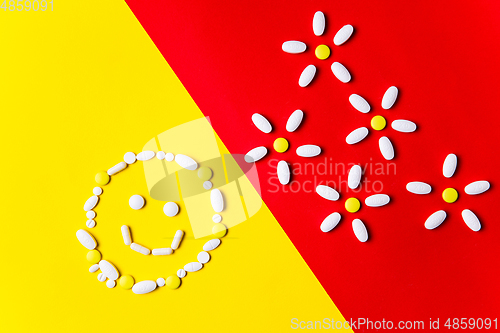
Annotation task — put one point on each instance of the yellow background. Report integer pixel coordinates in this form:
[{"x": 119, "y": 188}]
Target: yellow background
[{"x": 79, "y": 87}]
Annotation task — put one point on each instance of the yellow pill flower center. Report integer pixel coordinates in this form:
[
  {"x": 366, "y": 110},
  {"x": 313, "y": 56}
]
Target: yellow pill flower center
[
  {"x": 352, "y": 205},
  {"x": 378, "y": 123},
  {"x": 450, "y": 195},
  {"x": 322, "y": 52},
  {"x": 280, "y": 145}
]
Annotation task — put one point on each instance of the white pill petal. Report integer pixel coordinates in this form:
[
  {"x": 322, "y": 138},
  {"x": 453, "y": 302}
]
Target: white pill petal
[
  {"x": 404, "y": 126},
  {"x": 136, "y": 202},
  {"x": 160, "y": 282},
  {"x": 203, "y": 257},
  {"x": 169, "y": 157},
  {"x": 359, "y": 103},
  {"x": 97, "y": 190},
  {"x": 101, "y": 277},
  {"x": 90, "y": 224},
  {"x": 478, "y": 187},
  {"x": 207, "y": 185},
  {"x": 86, "y": 239},
  {"x": 377, "y": 200},
  {"x": 186, "y": 162},
  {"x": 327, "y": 192},
  {"x": 91, "y": 203},
  {"x": 179, "y": 234},
  {"x": 216, "y": 218},
  {"x": 390, "y": 97},
  {"x": 360, "y": 230},
  {"x": 94, "y": 268},
  {"x": 307, "y": 76},
  {"x": 160, "y": 155},
  {"x": 418, "y": 187},
  {"x": 127, "y": 239},
  {"x": 294, "y": 120},
  {"x": 435, "y": 219},
  {"x": 319, "y": 23},
  {"x": 117, "y": 168},
  {"x": 343, "y": 34},
  {"x": 181, "y": 273},
  {"x": 211, "y": 244},
  {"x": 471, "y": 220},
  {"x": 164, "y": 251},
  {"x": 354, "y": 177},
  {"x": 90, "y": 214},
  {"x": 144, "y": 287},
  {"x": 109, "y": 270},
  {"x": 217, "y": 200},
  {"x": 449, "y": 165},
  {"x": 110, "y": 284},
  {"x": 141, "y": 249},
  {"x": 357, "y": 135},
  {"x": 171, "y": 209},
  {"x": 193, "y": 267},
  {"x": 386, "y": 148},
  {"x": 283, "y": 172},
  {"x": 308, "y": 151},
  {"x": 261, "y": 123},
  {"x": 293, "y": 46},
  {"x": 330, "y": 222},
  {"x": 145, "y": 155},
  {"x": 255, "y": 154},
  {"x": 129, "y": 157},
  {"x": 341, "y": 72}
]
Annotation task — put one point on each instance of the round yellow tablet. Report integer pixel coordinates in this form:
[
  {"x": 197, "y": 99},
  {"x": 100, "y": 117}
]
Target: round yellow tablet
[
  {"x": 93, "y": 256},
  {"x": 450, "y": 195},
  {"x": 378, "y": 123},
  {"x": 280, "y": 145},
  {"x": 219, "y": 230},
  {"x": 102, "y": 178},
  {"x": 352, "y": 205},
  {"x": 205, "y": 173},
  {"x": 322, "y": 52},
  {"x": 126, "y": 281},
  {"x": 173, "y": 282}
]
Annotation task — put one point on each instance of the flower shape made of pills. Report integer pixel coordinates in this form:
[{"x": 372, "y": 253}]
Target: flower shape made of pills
[
  {"x": 450, "y": 195},
  {"x": 322, "y": 51}
]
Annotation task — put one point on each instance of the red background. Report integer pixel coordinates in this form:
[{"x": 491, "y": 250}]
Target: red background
[{"x": 444, "y": 58}]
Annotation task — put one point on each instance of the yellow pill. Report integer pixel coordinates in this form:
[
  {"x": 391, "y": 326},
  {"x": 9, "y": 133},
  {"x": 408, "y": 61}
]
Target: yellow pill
[
  {"x": 205, "y": 173},
  {"x": 126, "y": 281},
  {"x": 219, "y": 230},
  {"x": 102, "y": 178},
  {"x": 173, "y": 282},
  {"x": 378, "y": 123},
  {"x": 352, "y": 205},
  {"x": 322, "y": 52},
  {"x": 280, "y": 145},
  {"x": 450, "y": 195},
  {"x": 93, "y": 256}
]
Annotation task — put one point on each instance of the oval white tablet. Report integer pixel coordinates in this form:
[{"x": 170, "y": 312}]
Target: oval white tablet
[
  {"x": 145, "y": 155},
  {"x": 186, "y": 162},
  {"x": 91, "y": 203},
  {"x": 94, "y": 268},
  {"x": 294, "y": 120},
  {"x": 318, "y": 23},
  {"x": 293, "y": 46},
  {"x": 136, "y": 202},
  {"x": 308, "y": 151},
  {"x": 90, "y": 214},
  {"x": 283, "y": 172},
  {"x": 164, "y": 251},
  {"x": 203, "y": 257},
  {"x": 90, "y": 224},
  {"x": 343, "y": 34},
  {"x": 404, "y": 126},
  {"x": 160, "y": 282},
  {"x": 86, "y": 239},
  {"x": 418, "y": 188},
  {"x": 101, "y": 277},
  {"x": 129, "y": 158},
  {"x": 390, "y": 97},
  {"x": 207, "y": 185},
  {"x": 471, "y": 220},
  {"x": 477, "y": 187},
  {"x": 177, "y": 239},
  {"x": 307, "y": 76},
  {"x": 386, "y": 148},
  {"x": 127, "y": 239},
  {"x": 144, "y": 287},
  {"x": 181, "y": 273},
  {"x": 435, "y": 219},
  {"x": 261, "y": 123},
  {"x": 330, "y": 222},
  {"x": 117, "y": 168},
  {"x": 359, "y": 103},
  {"x": 169, "y": 157},
  {"x": 255, "y": 154},
  {"x": 217, "y": 200},
  {"x": 109, "y": 270},
  {"x": 216, "y": 218},
  {"x": 357, "y": 135},
  {"x": 354, "y": 177},
  {"x": 97, "y": 190},
  {"x": 327, "y": 192},
  {"x": 211, "y": 244},
  {"x": 110, "y": 284},
  {"x": 193, "y": 267},
  {"x": 359, "y": 230},
  {"x": 377, "y": 200},
  {"x": 449, "y": 165},
  {"x": 341, "y": 72},
  {"x": 160, "y": 155},
  {"x": 139, "y": 248},
  {"x": 171, "y": 209}
]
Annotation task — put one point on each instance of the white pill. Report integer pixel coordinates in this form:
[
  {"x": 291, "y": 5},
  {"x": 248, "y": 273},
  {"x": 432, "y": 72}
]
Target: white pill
[
  {"x": 293, "y": 46},
  {"x": 390, "y": 97},
  {"x": 160, "y": 282},
  {"x": 477, "y": 187},
  {"x": 160, "y": 155},
  {"x": 101, "y": 277},
  {"x": 91, "y": 203},
  {"x": 186, "y": 162},
  {"x": 294, "y": 120},
  {"x": 177, "y": 239},
  {"x": 307, "y": 76},
  {"x": 359, "y": 103},
  {"x": 90, "y": 214},
  {"x": 283, "y": 172},
  {"x": 139, "y": 248},
  {"x": 435, "y": 219},
  {"x": 164, "y": 251},
  {"x": 418, "y": 188},
  {"x": 181, "y": 273},
  {"x": 217, "y": 200},
  {"x": 110, "y": 284},
  {"x": 261, "y": 123},
  {"x": 216, "y": 218},
  {"x": 117, "y": 168},
  {"x": 193, "y": 267},
  {"x": 127, "y": 239},
  {"x": 129, "y": 158},
  {"x": 94, "y": 268},
  {"x": 330, "y": 222},
  {"x": 357, "y": 135},
  {"x": 169, "y": 157},
  {"x": 86, "y": 239},
  {"x": 327, "y": 192},
  {"x": 207, "y": 185},
  {"x": 318, "y": 23},
  {"x": 354, "y": 177},
  {"x": 404, "y": 126},
  {"x": 90, "y": 224},
  {"x": 255, "y": 154},
  {"x": 136, "y": 202},
  {"x": 471, "y": 220},
  {"x": 203, "y": 257},
  {"x": 360, "y": 230},
  {"x": 211, "y": 244},
  {"x": 109, "y": 270},
  {"x": 343, "y": 34},
  {"x": 171, "y": 209},
  {"x": 145, "y": 155},
  {"x": 308, "y": 151},
  {"x": 377, "y": 200},
  {"x": 386, "y": 148},
  {"x": 341, "y": 72},
  {"x": 449, "y": 165},
  {"x": 97, "y": 190},
  {"x": 144, "y": 287}
]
